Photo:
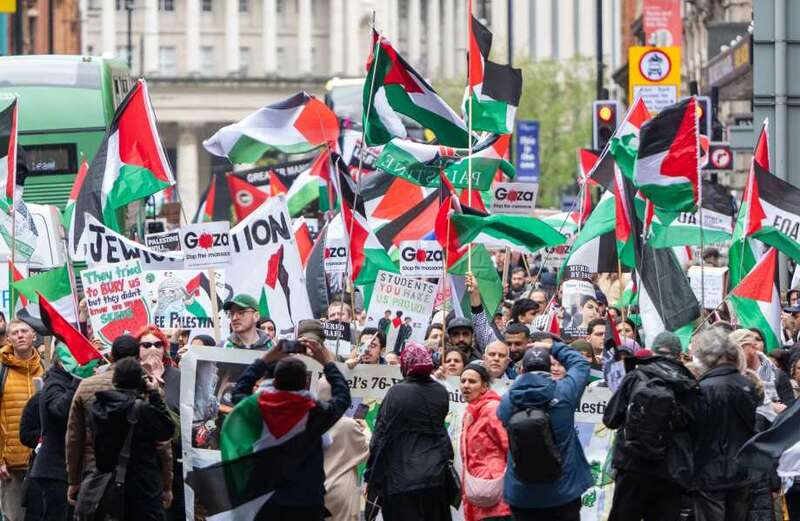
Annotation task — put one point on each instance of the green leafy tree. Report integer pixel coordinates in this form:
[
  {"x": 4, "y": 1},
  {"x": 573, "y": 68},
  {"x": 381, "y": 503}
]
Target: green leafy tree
[{"x": 559, "y": 95}]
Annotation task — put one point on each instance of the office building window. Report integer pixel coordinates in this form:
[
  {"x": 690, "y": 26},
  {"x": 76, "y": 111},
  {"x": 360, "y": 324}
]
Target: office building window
[
  {"x": 280, "y": 6},
  {"x": 244, "y": 60},
  {"x": 207, "y": 6},
  {"x": 122, "y": 53},
  {"x": 166, "y": 5},
  {"x": 167, "y": 61},
  {"x": 243, "y": 6},
  {"x": 207, "y": 60}
]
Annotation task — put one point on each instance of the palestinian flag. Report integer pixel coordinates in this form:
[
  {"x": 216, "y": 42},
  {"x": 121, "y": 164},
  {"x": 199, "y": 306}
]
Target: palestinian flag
[
  {"x": 215, "y": 203},
  {"x": 666, "y": 168},
  {"x": 307, "y": 187},
  {"x": 489, "y": 284},
  {"x": 276, "y": 275},
  {"x": 564, "y": 222},
  {"x": 420, "y": 163},
  {"x": 69, "y": 363},
  {"x": 494, "y": 90},
  {"x": 681, "y": 229},
  {"x": 744, "y": 250},
  {"x": 54, "y": 285},
  {"x": 316, "y": 281},
  {"x": 79, "y": 346},
  {"x": 129, "y": 165},
  {"x": 302, "y": 236},
  {"x": 397, "y": 198},
  {"x": 624, "y": 213},
  {"x": 245, "y": 196},
  {"x": 280, "y": 183},
  {"x": 296, "y": 125},
  {"x": 756, "y": 301},
  {"x": 586, "y": 161},
  {"x": 77, "y": 185},
  {"x": 596, "y": 244},
  {"x": 199, "y": 287},
  {"x": 622, "y": 147},
  {"x": 517, "y": 232},
  {"x": 392, "y": 88},
  {"x": 367, "y": 255},
  {"x": 260, "y": 449},
  {"x": 8, "y": 147}
]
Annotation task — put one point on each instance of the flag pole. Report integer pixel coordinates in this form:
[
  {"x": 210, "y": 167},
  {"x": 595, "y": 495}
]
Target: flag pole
[
  {"x": 700, "y": 209},
  {"x": 212, "y": 293},
  {"x": 469, "y": 116},
  {"x": 621, "y": 288},
  {"x": 13, "y": 207}
]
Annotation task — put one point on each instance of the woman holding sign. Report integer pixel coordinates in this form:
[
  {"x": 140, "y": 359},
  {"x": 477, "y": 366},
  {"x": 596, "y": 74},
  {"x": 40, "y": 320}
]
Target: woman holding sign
[{"x": 484, "y": 448}]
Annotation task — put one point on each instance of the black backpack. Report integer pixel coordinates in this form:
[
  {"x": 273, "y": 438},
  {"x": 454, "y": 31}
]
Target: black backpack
[
  {"x": 651, "y": 417},
  {"x": 533, "y": 448}
]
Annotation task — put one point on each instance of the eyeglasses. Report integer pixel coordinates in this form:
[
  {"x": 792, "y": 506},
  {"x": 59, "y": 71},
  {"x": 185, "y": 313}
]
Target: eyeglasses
[
  {"x": 239, "y": 313},
  {"x": 148, "y": 345}
]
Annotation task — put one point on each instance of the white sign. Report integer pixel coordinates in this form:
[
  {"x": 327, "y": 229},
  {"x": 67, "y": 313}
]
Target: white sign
[
  {"x": 182, "y": 298},
  {"x": 655, "y": 65},
  {"x": 656, "y": 97},
  {"x": 515, "y": 198},
  {"x": 714, "y": 280},
  {"x": 335, "y": 255},
  {"x": 407, "y": 301},
  {"x": 421, "y": 259},
  {"x": 105, "y": 246},
  {"x": 206, "y": 245}
]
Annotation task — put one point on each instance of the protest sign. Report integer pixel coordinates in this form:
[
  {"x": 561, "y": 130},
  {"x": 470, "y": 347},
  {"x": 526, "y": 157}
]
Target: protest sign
[
  {"x": 338, "y": 338},
  {"x": 164, "y": 241},
  {"x": 421, "y": 259},
  {"x": 265, "y": 264},
  {"x": 579, "y": 310},
  {"x": 206, "y": 245},
  {"x": 409, "y": 302},
  {"x": 715, "y": 281},
  {"x": 182, "y": 298},
  {"x": 553, "y": 258},
  {"x": 514, "y": 198},
  {"x": 105, "y": 246},
  {"x": 115, "y": 297},
  {"x": 335, "y": 255}
]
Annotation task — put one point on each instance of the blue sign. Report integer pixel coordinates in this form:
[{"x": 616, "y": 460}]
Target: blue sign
[{"x": 527, "y": 151}]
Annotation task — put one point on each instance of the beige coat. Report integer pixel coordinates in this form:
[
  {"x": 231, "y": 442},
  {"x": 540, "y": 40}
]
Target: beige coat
[{"x": 349, "y": 448}]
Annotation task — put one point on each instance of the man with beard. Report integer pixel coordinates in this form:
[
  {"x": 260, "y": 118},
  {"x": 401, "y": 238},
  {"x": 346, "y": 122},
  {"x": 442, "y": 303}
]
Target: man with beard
[
  {"x": 461, "y": 335},
  {"x": 519, "y": 284},
  {"x": 243, "y": 313},
  {"x": 517, "y": 337}
]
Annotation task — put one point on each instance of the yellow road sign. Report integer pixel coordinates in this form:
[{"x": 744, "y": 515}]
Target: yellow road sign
[
  {"x": 654, "y": 74},
  {"x": 8, "y": 6}
]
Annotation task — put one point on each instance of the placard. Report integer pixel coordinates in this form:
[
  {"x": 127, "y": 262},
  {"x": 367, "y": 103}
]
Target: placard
[
  {"x": 105, "y": 246},
  {"x": 514, "y": 198},
  {"x": 164, "y": 241},
  {"x": 576, "y": 290},
  {"x": 335, "y": 256},
  {"x": 409, "y": 303},
  {"x": 338, "y": 338},
  {"x": 715, "y": 280},
  {"x": 182, "y": 298},
  {"x": 206, "y": 245},
  {"x": 423, "y": 259},
  {"x": 115, "y": 296}
]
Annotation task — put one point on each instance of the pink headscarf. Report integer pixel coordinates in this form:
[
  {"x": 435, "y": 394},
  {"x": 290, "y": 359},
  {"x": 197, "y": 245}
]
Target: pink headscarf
[{"x": 415, "y": 360}]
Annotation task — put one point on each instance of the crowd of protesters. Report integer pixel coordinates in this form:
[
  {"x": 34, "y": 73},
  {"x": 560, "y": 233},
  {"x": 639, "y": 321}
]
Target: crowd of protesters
[{"x": 681, "y": 412}]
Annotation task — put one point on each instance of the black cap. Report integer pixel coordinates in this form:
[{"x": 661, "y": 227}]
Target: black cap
[
  {"x": 459, "y": 322},
  {"x": 536, "y": 359}
]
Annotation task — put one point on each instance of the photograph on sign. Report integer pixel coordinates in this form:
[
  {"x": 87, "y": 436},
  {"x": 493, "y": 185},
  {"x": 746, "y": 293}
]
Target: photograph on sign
[
  {"x": 182, "y": 298},
  {"x": 206, "y": 245},
  {"x": 579, "y": 301},
  {"x": 514, "y": 198},
  {"x": 421, "y": 259}
]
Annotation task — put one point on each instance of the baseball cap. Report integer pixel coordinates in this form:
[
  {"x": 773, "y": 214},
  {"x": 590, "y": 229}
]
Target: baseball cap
[
  {"x": 536, "y": 359},
  {"x": 241, "y": 300},
  {"x": 311, "y": 328},
  {"x": 459, "y": 322}
]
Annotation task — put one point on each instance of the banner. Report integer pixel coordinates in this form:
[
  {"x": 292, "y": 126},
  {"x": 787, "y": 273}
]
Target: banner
[
  {"x": 265, "y": 264},
  {"x": 409, "y": 303},
  {"x": 338, "y": 338},
  {"x": 182, "y": 298},
  {"x": 260, "y": 178},
  {"x": 115, "y": 297},
  {"x": 206, "y": 245},
  {"x": 105, "y": 246}
]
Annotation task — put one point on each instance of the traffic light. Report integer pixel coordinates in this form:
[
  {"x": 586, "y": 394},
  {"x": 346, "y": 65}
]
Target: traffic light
[
  {"x": 605, "y": 118},
  {"x": 704, "y": 115}
]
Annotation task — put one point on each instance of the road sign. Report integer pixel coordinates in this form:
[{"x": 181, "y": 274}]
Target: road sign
[
  {"x": 8, "y": 6},
  {"x": 661, "y": 22},
  {"x": 654, "y": 74},
  {"x": 527, "y": 151},
  {"x": 720, "y": 156}
]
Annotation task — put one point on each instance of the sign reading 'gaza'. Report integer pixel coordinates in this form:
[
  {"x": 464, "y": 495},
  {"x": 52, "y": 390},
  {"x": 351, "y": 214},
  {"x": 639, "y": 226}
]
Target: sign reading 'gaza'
[
  {"x": 514, "y": 198},
  {"x": 421, "y": 259},
  {"x": 206, "y": 245}
]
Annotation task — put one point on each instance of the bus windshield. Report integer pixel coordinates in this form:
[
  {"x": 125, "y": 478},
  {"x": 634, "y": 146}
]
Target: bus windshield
[{"x": 49, "y": 73}]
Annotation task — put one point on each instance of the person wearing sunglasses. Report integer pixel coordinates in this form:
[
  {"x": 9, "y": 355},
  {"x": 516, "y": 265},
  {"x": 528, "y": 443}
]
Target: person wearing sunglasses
[{"x": 243, "y": 314}]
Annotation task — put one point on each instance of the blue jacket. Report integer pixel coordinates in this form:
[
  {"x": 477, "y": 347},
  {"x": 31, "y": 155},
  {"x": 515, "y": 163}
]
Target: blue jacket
[{"x": 536, "y": 389}]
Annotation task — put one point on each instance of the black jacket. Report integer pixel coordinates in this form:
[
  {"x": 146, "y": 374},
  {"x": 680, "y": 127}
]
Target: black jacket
[
  {"x": 247, "y": 381},
  {"x": 54, "y": 404},
  {"x": 678, "y": 465},
  {"x": 410, "y": 447},
  {"x": 30, "y": 426},
  {"x": 109, "y": 416},
  {"x": 726, "y": 420}
]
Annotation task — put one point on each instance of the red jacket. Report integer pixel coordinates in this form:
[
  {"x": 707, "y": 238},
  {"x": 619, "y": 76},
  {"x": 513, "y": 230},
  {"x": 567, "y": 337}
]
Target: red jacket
[{"x": 484, "y": 449}]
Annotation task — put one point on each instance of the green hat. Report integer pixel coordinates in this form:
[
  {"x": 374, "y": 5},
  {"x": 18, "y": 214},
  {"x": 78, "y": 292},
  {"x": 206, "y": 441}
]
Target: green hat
[{"x": 243, "y": 301}]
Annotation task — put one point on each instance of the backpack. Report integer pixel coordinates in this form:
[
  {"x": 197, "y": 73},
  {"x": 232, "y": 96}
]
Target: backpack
[
  {"x": 533, "y": 448},
  {"x": 651, "y": 418}
]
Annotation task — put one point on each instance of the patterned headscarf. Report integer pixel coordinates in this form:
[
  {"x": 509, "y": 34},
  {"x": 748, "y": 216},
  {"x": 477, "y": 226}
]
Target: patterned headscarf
[{"x": 415, "y": 360}]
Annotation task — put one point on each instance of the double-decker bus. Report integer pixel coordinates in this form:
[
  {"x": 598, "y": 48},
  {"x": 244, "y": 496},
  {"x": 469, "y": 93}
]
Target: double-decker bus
[{"x": 65, "y": 106}]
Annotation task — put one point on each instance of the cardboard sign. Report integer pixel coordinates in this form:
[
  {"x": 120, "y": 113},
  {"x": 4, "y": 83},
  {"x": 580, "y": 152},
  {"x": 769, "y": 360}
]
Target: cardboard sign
[
  {"x": 115, "y": 296},
  {"x": 514, "y": 198},
  {"x": 338, "y": 338},
  {"x": 105, "y": 246},
  {"x": 206, "y": 245},
  {"x": 335, "y": 256},
  {"x": 421, "y": 259},
  {"x": 715, "y": 280},
  {"x": 182, "y": 298},
  {"x": 164, "y": 241},
  {"x": 654, "y": 74},
  {"x": 407, "y": 301},
  {"x": 578, "y": 312}
]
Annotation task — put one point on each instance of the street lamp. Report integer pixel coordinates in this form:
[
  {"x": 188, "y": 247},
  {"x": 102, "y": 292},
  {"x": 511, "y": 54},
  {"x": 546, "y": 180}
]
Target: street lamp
[{"x": 129, "y": 5}]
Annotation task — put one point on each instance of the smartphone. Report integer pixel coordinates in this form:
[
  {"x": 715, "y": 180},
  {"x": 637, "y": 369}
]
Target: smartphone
[{"x": 361, "y": 411}]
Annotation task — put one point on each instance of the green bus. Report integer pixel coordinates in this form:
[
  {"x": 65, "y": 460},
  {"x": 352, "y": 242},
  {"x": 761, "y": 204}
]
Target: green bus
[{"x": 66, "y": 103}]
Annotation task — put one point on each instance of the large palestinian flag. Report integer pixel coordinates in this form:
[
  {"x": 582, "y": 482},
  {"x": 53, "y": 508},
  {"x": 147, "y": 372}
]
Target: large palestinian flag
[
  {"x": 666, "y": 169},
  {"x": 129, "y": 165},
  {"x": 295, "y": 125},
  {"x": 757, "y": 299},
  {"x": 517, "y": 232},
  {"x": 595, "y": 245},
  {"x": 493, "y": 90},
  {"x": 54, "y": 285},
  {"x": 684, "y": 228},
  {"x": 744, "y": 250},
  {"x": 81, "y": 350},
  {"x": 392, "y": 88},
  {"x": 622, "y": 147}
]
